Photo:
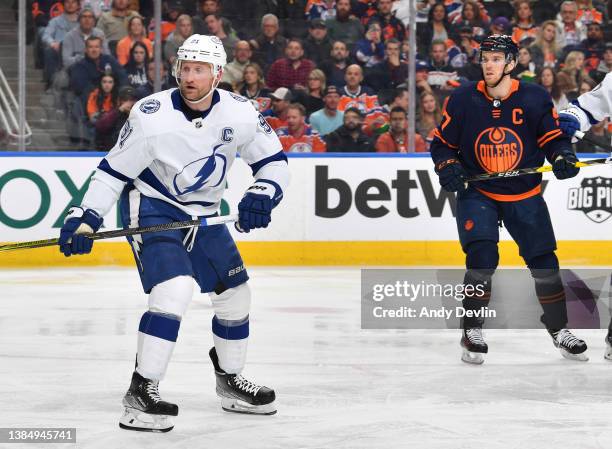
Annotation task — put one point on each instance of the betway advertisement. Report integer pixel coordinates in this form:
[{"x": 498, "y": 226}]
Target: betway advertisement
[{"x": 331, "y": 198}]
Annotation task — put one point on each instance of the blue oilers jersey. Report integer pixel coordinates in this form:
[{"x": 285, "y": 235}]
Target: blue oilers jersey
[{"x": 488, "y": 135}]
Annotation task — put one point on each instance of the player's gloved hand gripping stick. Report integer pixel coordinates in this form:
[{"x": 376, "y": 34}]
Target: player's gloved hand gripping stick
[{"x": 87, "y": 238}]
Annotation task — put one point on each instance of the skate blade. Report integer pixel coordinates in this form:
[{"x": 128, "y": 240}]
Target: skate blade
[
  {"x": 576, "y": 357},
  {"x": 133, "y": 419},
  {"x": 473, "y": 358},
  {"x": 237, "y": 406}
]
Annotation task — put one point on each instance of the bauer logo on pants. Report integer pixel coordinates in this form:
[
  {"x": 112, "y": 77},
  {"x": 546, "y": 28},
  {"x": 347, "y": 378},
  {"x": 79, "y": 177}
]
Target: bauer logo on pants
[{"x": 593, "y": 197}]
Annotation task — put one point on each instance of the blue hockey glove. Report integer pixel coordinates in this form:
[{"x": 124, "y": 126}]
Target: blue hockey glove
[
  {"x": 77, "y": 222},
  {"x": 254, "y": 211},
  {"x": 568, "y": 123},
  {"x": 564, "y": 164},
  {"x": 452, "y": 176}
]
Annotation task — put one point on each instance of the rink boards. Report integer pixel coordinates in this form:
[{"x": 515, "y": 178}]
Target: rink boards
[{"x": 349, "y": 209}]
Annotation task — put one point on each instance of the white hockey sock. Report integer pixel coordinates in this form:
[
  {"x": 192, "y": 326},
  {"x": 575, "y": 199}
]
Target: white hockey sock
[
  {"x": 157, "y": 335},
  {"x": 231, "y": 338}
]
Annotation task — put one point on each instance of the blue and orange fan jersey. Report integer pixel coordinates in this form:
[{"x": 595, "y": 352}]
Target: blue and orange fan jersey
[{"x": 488, "y": 136}]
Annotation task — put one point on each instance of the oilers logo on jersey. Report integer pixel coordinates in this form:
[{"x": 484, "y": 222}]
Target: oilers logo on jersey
[{"x": 498, "y": 149}]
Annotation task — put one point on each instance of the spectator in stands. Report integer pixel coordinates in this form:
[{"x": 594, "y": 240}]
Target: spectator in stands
[
  {"x": 437, "y": 27},
  {"x": 466, "y": 50},
  {"x": 103, "y": 98},
  {"x": 349, "y": 138},
  {"x": 174, "y": 9},
  {"x": 148, "y": 89},
  {"x": 429, "y": 115},
  {"x": 136, "y": 33},
  {"x": 391, "y": 72},
  {"x": 297, "y": 136},
  {"x": 570, "y": 31},
  {"x": 109, "y": 124},
  {"x": 85, "y": 74},
  {"x": 396, "y": 139},
  {"x": 292, "y": 69},
  {"x": 269, "y": 45},
  {"x": 370, "y": 50},
  {"x": 572, "y": 73},
  {"x": 422, "y": 74},
  {"x": 471, "y": 16},
  {"x": 114, "y": 23},
  {"x": 335, "y": 66},
  {"x": 376, "y": 121},
  {"x": 353, "y": 87},
  {"x": 208, "y": 7},
  {"x": 328, "y": 118},
  {"x": 605, "y": 65},
  {"x": 525, "y": 68},
  {"x": 42, "y": 12},
  {"x": 97, "y": 6},
  {"x": 277, "y": 116},
  {"x": 586, "y": 85},
  {"x": 441, "y": 77},
  {"x": 311, "y": 97},
  {"x": 391, "y": 26},
  {"x": 320, "y": 9},
  {"x": 524, "y": 30},
  {"x": 364, "y": 9},
  {"x": 73, "y": 44},
  {"x": 53, "y": 35},
  {"x": 593, "y": 46},
  {"x": 500, "y": 25},
  {"x": 136, "y": 67},
  {"x": 587, "y": 13},
  {"x": 317, "y": 45},
  {"x": 544, "y": 50},
  {"x": 548, "y": 80},
  {"x": 215, "y": 27},
  {"x": 184, "y": 29},
  {"x": 234, "y": 71},
  {"x": 344, "y": 27},
  {"x": 253, "y": 87}
]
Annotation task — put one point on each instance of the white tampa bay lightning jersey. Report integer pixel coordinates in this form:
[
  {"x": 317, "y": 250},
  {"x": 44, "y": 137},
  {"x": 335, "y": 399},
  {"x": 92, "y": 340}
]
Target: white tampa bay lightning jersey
[
  {"x": 181, "y": 156},
  {"x": 592, "y": 107}
]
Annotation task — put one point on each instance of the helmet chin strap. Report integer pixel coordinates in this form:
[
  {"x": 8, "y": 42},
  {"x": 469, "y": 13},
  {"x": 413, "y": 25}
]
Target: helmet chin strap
[{"x": 503, "y": 75}]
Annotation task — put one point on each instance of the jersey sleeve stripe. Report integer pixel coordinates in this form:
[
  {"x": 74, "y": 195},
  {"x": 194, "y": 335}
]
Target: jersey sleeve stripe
[
  {"x": 548, "y": 137},
  {"x": 439, "y": 136},
  {"x": 592, "y": 119},
  {"x": 256, "y": 166},
  {"x": 105, "y": 167}
]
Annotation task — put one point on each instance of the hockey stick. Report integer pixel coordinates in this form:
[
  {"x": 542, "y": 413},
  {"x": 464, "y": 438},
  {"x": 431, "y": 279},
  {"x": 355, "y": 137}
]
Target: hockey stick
[
  {"x": 547, "y": 168},
  {"x": 201, "y": 222}
]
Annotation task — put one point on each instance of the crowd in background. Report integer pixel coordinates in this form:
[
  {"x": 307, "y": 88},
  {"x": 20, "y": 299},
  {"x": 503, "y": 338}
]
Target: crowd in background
[{"x": 328, "y": 75}]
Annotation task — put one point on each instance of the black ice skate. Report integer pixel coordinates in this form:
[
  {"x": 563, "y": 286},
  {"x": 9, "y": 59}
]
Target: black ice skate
[
  {"x": 571, "y": 347},
  {"x": 608, "y": 353},
  {"x": 240, "y": 395},
  {"x": 473, "y": 346},
  {"x": 144, "y": 409}
]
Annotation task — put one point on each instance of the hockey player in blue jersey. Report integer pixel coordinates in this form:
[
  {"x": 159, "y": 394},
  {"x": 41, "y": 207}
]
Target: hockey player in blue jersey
[
  {"x": 500, "y": 124},
  {"x": 587, "y": 110},
  {"x": 170, "y": 164}
]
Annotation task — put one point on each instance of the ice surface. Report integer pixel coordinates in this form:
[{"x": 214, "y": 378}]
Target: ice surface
[{"x": 67, "y": 342}]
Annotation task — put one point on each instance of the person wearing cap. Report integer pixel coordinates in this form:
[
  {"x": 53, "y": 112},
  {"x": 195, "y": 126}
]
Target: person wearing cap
[
  {"x": 109, "y": 123},
  {"x": 317, "y": 45},
  {"x": 73, "y": 44},
  {"x": 500, "y": 25},
  {"x": 350, "y": 138},
  {"x": 114, "y": 22},
  {"x": 329, "y": 118},
  {"x": 292, "y": 69},
  {"x": 396, "y": 139},
  {"x": 53, "y": 35},
  {"x": 344, "y": 27},
  {"x": 297, "y": 136},
  {"x": 234, "y": 71},
  {"x": 442, "y": 75},
  {"x": 277, "y": 115}
]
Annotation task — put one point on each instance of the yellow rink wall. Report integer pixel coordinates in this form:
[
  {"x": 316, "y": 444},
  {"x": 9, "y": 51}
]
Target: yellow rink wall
[{"x": 381, "y": 253}]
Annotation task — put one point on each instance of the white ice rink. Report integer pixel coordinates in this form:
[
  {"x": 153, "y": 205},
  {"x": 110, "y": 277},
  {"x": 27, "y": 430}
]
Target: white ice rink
[{"x": 67, "y": 343}]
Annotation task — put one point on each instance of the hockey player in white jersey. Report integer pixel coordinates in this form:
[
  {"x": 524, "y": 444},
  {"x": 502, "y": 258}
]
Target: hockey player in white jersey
[
  {"x": 587, "y": 110},
  {"x": 170, "y": 164}
]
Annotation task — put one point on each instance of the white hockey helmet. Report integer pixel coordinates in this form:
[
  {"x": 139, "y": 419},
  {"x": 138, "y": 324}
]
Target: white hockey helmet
[{"x": 201, "y": 48}]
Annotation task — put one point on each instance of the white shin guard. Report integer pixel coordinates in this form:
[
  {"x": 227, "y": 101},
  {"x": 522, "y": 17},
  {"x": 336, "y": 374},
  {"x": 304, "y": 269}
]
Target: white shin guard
[
  {"x": 159, "y": 326},
  {"x": 231, "y": 327}
]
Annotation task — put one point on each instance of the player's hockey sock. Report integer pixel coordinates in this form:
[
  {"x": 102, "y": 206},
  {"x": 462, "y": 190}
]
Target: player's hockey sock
[
  {"x": 551, "y": 294},
  {"x": 477, "y": 296},
  {"x": 231, "y": 338},
  {"x": 157, "y": 335}
]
